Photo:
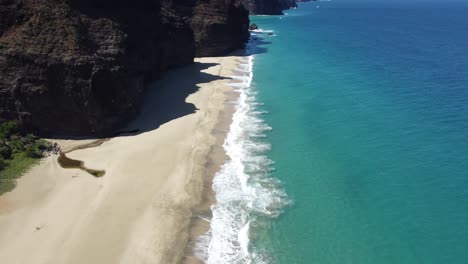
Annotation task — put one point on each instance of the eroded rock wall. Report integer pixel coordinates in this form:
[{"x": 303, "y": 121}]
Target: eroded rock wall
[
  {"x": 77, "y": 67},
  {"x": 268, "y": 7},
  {"x": 220, "y": 26}
]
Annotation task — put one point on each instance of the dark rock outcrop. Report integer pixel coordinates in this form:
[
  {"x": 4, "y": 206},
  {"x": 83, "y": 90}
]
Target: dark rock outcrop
[
  {"x": 219, "y": 26},
  {"x": 268, "y": 7},
  {"x": 288, "y": 4},
  {"x": 253, "y": 27},
  {"x": 78, "y": 67}
]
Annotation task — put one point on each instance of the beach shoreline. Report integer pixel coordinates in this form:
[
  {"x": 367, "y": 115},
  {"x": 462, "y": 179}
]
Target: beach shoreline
[
  {"x": 200, "y": 223},
  {"x": 157, "y": 186}
]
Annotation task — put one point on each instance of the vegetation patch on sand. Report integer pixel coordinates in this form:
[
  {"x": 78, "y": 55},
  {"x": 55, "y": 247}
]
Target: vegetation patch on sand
[{"x": 18, "y": 152}]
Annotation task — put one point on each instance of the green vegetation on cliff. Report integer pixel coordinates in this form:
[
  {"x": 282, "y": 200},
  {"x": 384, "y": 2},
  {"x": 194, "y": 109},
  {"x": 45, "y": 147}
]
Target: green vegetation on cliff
[{"x": 18, "y": 152}]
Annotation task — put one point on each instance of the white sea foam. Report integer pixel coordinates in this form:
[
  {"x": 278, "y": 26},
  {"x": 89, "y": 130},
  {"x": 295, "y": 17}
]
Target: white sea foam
[
  {"x": 262, "y": 30},
  {"x": 245, "y": 192},
  {"x": 243, "y": 237}
]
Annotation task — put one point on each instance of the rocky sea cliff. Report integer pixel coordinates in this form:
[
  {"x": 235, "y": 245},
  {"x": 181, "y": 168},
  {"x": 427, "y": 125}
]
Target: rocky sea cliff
[{"x": 79, "y": 67}]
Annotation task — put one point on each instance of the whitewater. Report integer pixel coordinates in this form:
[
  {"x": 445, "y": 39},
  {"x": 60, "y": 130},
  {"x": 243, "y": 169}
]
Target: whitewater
[{"x": 246, "y": 195}]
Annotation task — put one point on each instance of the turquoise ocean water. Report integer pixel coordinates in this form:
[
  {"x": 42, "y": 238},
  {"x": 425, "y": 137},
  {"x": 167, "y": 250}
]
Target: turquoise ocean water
[
  {"x": 349, "y": 144},
  {"x": 368, "y": 105}
]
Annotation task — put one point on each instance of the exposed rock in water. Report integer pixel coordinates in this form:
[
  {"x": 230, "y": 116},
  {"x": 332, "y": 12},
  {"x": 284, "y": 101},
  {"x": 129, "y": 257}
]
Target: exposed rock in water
[
  {"x": 253, "y": 27},
  {"x": 78, "y": 67},
  {"x": 220, "y": 26}
]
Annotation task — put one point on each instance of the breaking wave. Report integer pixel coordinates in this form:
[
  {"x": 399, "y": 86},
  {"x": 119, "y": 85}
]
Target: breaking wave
[{"x": 245, "y": 192}]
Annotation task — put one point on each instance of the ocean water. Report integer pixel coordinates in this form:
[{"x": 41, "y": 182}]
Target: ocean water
[{"x": 350, "y": 139}]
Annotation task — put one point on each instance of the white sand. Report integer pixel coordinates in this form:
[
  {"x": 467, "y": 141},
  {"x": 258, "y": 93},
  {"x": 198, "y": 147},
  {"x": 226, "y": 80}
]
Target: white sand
[{"x": 140, "y": 210}]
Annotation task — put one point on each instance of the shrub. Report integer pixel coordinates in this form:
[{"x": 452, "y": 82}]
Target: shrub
[
  {"x": 9, "y": 128},
  {"x": 42, "y": 145},
  {"x": 5, "y": 152},
  {"x": 28, "y": 139},
  {"x": 17, "y": 145},
  {"x": 3, "y": 164},
  {"x": 32, "y": 152}
]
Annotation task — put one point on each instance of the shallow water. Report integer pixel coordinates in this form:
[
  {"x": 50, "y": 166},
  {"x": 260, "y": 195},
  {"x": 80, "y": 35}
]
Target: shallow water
[
  {"x": 369, "y": 110},
  {"x": 359, "y": 113}
]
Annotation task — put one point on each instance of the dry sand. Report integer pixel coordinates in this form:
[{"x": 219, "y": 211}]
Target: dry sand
[{"x": 141, "y": 210}]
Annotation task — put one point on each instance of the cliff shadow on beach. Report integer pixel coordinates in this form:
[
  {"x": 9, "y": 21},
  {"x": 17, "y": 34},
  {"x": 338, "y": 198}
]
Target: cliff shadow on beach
[{"x": 165, "y": 100}]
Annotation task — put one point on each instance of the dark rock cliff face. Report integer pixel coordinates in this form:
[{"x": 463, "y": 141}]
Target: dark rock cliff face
[
  {"x": 78, "y": 67},
  {"x": 288, "y": 4},
  {"x": 220, "y": 26},
  {"x": 268, "y": 7}
]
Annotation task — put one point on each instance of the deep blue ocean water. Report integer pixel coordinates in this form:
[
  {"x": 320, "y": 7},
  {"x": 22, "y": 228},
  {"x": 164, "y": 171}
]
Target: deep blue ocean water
[{"x": 369, "y": 108}]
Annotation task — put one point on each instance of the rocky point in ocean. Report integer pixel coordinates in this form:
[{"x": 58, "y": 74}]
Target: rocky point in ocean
[{"x": 253, "y": 27}]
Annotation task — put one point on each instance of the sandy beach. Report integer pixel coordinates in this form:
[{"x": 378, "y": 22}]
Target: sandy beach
[{"x": 156, "y": 182}]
